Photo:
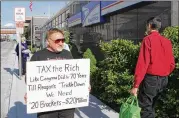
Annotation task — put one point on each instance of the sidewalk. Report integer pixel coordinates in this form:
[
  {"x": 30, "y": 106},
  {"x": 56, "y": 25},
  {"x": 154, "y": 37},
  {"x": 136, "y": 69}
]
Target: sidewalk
[
  {"x": 7, "y": 70},
  {"x": 17, "y": 105},
  {"x": 96, "y": 108}
]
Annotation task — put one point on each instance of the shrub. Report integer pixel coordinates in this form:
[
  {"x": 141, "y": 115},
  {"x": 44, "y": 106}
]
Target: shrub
[
  {"x": 67, "y": 36},
  {"x": 168, "y": 106},
  {"x": 114, "y": 77},
  {"x": 88, "y": 54}
]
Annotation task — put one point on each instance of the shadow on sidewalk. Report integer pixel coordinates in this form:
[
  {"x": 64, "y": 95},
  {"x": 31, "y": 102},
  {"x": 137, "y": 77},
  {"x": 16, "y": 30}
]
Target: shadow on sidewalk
[
  {"x": 19, "y": 111},
  {"x": 13, "y": 71},
  {"x": 94, "y": 110}
]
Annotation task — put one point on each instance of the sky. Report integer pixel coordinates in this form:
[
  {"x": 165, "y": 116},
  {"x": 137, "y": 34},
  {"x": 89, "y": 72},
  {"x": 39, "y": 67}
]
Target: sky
[{"x": 39, "y": 8}]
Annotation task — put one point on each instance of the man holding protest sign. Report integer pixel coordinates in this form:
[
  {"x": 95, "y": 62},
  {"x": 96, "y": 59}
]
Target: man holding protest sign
[{"x": 54, "y": 51}]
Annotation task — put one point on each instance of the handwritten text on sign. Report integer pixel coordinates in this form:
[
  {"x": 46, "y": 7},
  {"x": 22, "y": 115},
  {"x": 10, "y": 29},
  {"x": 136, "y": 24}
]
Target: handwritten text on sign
[{"x": 56, "y": 85}]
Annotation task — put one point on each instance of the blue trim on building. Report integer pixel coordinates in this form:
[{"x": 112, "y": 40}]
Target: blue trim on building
[
  {"x": 106, "y": 3},
  {"x": 75, "y": 20},
  {"x": 112, "y": 6},
  {"x": 74, "y": 17},
  {"x": 93, "y": 12}
]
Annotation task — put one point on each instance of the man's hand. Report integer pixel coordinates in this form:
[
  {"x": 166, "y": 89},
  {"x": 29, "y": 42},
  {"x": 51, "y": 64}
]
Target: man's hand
[
  {"x": 133, "y": 91},
  {"x": 25, "y": 97}
]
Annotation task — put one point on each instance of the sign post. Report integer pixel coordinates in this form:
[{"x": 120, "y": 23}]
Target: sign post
[{"x": 19, "y": 19}]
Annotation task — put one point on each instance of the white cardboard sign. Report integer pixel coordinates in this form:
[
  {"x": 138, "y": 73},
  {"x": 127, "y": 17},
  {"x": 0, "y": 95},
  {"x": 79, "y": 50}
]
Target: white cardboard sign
[{"x": 57, "y": 84}]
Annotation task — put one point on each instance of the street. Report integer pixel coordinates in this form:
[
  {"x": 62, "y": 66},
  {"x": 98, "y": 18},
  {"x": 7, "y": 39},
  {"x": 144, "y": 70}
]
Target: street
[{"x": 13, "y": 90}]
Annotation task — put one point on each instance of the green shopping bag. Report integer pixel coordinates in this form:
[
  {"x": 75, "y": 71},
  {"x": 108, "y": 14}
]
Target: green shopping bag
[{"x": 130, "y": 109}]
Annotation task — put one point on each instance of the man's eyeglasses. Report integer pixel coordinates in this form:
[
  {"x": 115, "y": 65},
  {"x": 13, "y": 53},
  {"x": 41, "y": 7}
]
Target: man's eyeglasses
[{"x": 59, "y": 40}]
